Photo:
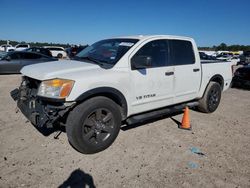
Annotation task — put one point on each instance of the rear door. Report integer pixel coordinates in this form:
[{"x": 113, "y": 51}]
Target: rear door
[
  {"x": 187, "y": 70},
  {"x": 152, "y": 87}
]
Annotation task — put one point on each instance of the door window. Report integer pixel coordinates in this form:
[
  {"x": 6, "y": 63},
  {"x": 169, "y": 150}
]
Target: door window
[{"x": 156, "y": 50}]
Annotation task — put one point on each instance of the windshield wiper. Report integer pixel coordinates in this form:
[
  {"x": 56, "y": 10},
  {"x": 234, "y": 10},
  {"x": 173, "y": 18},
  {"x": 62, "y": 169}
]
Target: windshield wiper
[
  {"x": 91, "y": 59},
  {"x": 104, "y": 61}
]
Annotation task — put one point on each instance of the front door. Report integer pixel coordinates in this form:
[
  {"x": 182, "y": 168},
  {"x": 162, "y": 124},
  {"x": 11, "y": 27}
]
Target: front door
[{"x": 152, "y": 86}]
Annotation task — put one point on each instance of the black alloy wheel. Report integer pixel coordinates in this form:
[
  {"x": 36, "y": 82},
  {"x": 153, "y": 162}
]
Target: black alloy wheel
[
  {"x": 213, "y": 98},
  {"x": 98, "y": 126},
  {"x": 93, "y": 125}
]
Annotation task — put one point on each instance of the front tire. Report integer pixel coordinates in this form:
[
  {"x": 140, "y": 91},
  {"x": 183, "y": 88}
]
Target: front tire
[
  {"x": 93, "y": 125},
  {"x": 211, "y": 99}
]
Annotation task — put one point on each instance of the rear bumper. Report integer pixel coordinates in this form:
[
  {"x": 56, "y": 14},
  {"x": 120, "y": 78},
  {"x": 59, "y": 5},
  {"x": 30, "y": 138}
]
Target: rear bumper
[{"x": 40, "y": 112}]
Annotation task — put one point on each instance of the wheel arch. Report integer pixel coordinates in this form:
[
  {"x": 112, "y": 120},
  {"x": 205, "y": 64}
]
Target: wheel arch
[
  {"x": 108, "y": 92},
  {"x": 219, "y": 79},
  {"x": 216, "y": 78}
]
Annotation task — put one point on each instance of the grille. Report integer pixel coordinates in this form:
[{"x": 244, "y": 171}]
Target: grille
[
  {"x": 29, "y": 87},
  {"x": 30, "y": 83}
]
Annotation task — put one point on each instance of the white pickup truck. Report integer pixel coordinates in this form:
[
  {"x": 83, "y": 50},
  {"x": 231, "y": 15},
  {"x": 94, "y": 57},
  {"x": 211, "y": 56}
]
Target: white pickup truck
[{"x": 119, "y": 80}]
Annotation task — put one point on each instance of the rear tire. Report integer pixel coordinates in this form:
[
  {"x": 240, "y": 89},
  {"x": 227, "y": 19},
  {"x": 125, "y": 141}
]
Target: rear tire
[
  {"x": 93, "y": 125},
  {"x": 211, "y": 99}
]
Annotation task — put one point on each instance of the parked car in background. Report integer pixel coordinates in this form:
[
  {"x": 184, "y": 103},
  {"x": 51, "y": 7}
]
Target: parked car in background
[
  {"x": 2, "y": 53},
  {"x": 210, "y": 53},
  {"x": 234, "y": 60},
  {"x": 12, "y": 62},
  {"x": 40, "y": 50},
  {"x": 225, "y": 56},
  {"x": 236, "y": 53},
  {"x": 242, "y": 77},
  {"x": 204, "y": 56},
  {"x": 21, "y": 47},
  {"x": 72, "y": 51},
  {"x": 7, "y": 48},
  {"x": 229, "y": 56},
  {"x": 56, "y": 51},
  {"x": 245, "y": 58}
]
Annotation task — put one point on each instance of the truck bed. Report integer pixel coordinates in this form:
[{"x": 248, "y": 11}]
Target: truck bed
[{"x": 211, "y": 68}]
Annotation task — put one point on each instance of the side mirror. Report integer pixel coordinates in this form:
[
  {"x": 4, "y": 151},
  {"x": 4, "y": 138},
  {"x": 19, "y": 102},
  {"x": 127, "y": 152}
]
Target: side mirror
[{"x": 141, "y": 62}]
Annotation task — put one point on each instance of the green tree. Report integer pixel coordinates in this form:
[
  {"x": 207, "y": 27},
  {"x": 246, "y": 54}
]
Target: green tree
[{"x": 222, "y": 46}]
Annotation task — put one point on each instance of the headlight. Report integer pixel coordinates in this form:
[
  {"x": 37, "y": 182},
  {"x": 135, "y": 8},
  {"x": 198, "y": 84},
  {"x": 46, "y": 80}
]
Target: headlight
[{"x": 56, "y": 88}]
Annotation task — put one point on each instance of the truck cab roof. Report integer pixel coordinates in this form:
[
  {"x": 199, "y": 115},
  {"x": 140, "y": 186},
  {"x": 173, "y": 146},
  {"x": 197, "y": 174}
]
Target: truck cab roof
[{"x": 144, "y": 37}]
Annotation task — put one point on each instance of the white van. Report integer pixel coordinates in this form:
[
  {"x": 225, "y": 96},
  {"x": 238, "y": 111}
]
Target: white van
[{"x": 57, "y": 51}]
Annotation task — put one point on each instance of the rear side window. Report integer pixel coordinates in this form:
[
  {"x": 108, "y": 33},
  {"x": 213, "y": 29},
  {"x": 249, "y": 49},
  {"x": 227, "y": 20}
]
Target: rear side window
[
  {"x": 182, "y": 52},
  {"x": 55, "y": 49},
  {"x": 22, "y": 46}
]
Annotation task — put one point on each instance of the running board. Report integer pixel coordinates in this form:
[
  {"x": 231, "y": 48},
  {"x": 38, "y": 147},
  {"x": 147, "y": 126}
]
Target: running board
[{"x": 158, "y": 113}]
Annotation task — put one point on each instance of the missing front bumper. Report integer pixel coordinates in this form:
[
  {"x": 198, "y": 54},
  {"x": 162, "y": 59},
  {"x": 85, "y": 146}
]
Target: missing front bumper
[{"x": 40, "y": 112}]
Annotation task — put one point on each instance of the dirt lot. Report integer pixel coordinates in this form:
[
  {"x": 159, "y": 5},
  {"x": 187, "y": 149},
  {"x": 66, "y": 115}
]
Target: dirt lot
[{"x": 157, "y": 154}]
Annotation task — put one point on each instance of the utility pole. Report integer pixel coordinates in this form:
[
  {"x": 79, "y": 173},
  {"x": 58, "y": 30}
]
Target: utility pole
[{"x": 6, "y": 46}]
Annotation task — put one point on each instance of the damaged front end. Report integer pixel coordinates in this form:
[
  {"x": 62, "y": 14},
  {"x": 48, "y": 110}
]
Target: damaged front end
[{"x": 40, "y": 111}]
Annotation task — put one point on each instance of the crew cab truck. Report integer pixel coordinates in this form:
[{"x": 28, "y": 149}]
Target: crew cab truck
[{"x": 117, "y": 80}]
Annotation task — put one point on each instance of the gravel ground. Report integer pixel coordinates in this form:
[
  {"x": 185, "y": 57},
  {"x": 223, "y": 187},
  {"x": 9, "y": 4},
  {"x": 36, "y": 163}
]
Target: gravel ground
[{"x": 157, "y": 154}]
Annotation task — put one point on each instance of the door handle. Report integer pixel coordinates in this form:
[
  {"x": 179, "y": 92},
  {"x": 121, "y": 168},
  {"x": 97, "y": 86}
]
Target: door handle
[
  {"x": 196, "y": 70},
  {"x": 169, "y": 73}
]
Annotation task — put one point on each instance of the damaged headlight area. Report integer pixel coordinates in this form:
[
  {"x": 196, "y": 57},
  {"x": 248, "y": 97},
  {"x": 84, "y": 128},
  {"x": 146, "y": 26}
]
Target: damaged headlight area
[
  {"x": 55, "y": 88},
  {"x": 39, "y": 110}
]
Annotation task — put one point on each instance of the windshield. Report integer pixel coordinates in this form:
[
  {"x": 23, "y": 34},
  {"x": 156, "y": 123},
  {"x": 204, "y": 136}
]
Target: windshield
[{"x": 107, "y": 51}]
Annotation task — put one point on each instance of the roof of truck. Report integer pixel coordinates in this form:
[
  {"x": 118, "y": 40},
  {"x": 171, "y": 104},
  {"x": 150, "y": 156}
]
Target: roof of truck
[{"x": 143, "y": 37}]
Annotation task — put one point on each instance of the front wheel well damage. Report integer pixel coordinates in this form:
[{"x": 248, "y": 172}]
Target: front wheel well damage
[{"x": 110, "y": 93}]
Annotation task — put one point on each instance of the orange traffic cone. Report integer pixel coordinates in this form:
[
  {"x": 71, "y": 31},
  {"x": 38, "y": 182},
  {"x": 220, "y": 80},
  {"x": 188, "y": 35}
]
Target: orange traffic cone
[{"x": 185, "y": 123}]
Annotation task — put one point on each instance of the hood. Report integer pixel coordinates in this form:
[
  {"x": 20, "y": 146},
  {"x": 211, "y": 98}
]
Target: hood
[{"x": 56, "y": 69}]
